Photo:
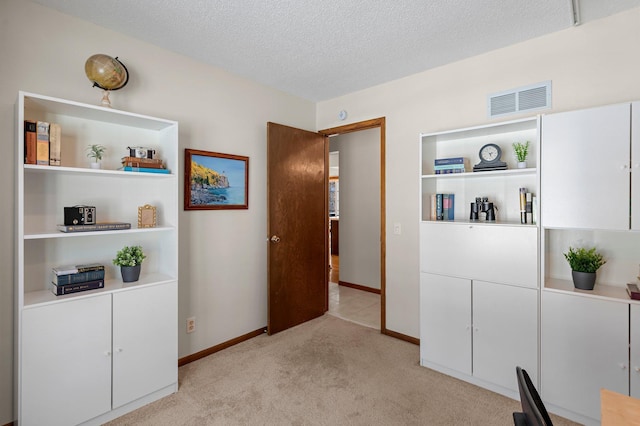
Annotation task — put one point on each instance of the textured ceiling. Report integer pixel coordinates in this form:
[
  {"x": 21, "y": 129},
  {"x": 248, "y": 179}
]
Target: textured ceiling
[{"x": 321, "y": 49}]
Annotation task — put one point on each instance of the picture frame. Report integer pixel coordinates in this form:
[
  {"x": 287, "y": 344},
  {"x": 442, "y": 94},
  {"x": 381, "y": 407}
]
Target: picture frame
[
  {"x": 215, "y": 181},
  {"x": 147, "y": 217}
]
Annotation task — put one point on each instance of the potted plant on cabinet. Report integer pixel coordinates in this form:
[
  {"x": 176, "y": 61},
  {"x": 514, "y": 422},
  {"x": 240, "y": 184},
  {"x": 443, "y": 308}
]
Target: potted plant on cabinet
[
  {"x": 584, "y": 263},
  {"x": 129, "y": 259},
  {"x": 521, "y": 150},
  {"x": 96, "y": 152}
]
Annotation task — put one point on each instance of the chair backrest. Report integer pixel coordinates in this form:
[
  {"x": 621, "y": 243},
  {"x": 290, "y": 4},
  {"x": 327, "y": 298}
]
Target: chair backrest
[{"x": 532, "y": 405}]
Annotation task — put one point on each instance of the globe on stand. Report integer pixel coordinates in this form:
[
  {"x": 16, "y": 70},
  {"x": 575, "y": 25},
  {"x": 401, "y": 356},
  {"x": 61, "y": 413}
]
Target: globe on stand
[{"x": 106, "y": 73}]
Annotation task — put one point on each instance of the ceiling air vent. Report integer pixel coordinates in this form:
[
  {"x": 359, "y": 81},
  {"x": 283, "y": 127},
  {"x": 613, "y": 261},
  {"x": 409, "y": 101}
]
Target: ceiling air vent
[{"x": 522, "y": 99}]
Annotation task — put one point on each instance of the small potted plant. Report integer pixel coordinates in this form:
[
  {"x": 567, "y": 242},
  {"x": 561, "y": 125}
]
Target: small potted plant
[
  {"x": 95, "y": 151},
  {"x": 521, "y": 150},
  {"x": 129, "y": 259},
  {"x": 584, "y": 263}
]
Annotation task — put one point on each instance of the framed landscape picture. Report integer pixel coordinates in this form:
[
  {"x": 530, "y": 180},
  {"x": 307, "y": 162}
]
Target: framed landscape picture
[{"x": 214, "y": 181}]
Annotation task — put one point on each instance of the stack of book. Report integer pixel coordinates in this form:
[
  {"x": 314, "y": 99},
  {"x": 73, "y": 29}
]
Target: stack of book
[
  {"x": 443, "y": 206},
  {"x": 41, "y": 143},
  {"x": 76, "y": 278},
  {"x": 443, "y": 166},
  {"x": 148, "y": 165}
]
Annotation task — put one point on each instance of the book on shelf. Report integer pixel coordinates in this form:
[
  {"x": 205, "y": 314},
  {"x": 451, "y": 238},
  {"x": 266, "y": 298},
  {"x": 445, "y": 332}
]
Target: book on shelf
[
  {"x": 444, "y": 206},
  {"x": 30, "y": 142},
  {"x": 144, "y": 169},
  {"x": 449, "y": 161},
  {"x": 529, "y": 207},
  {"x": 42, "y": 143},
  {"x": 76, "y": 269},
  {"x": 449, "y": 171},
  {"x": 142, "y": 160},
  {"x": 103, "y": 226},
  {"x": 135, "y": 163},
  {"x": 61, "y": 290},
  {"x": 450, "y": 167},
  {"x": 55, "y": 134},
  {"x": 78, "y": 277}
]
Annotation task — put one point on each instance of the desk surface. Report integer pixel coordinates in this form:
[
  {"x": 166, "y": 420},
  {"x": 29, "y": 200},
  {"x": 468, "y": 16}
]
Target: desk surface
[{"x": 618, "y": 409}]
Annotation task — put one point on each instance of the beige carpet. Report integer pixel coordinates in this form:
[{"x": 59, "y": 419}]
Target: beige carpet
[{"x": 324, "y": 372}]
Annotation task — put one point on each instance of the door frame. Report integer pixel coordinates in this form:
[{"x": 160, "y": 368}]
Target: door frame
[{"x": 355, "y": 127}]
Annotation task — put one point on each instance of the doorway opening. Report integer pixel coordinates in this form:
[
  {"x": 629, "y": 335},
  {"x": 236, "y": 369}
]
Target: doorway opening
[{"x": 371, "y": 295}]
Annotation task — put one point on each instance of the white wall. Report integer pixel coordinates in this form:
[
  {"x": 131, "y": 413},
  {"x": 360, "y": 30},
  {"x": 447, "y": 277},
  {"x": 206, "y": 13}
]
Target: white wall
[
  {"x": 222, "y": 253},
  {"x": 592, "y": 64},
  {"x": 360, "y": 207}
]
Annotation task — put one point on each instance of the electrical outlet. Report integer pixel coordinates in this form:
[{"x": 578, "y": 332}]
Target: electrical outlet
[
  {"x": 191, "y": 324},
  {"x": 397, "y": 229}
]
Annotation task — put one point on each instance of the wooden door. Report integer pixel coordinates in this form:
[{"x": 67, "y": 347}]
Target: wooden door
[{"x": 297, "y": 226}]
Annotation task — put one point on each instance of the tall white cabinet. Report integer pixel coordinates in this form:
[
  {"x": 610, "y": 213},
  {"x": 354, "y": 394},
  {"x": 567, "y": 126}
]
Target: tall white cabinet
[
  {"x": 479, "y": 291},
  {"x": 112, "y": 349}
]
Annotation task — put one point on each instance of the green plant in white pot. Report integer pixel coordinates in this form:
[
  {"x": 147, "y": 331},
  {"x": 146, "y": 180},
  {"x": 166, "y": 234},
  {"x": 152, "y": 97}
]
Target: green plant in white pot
[
  {"x": 522, "y": 151},
  {"x": 584, "y": 263},
  {"x": 95, "y": 151},
  {"x": 129, "y": 259}
]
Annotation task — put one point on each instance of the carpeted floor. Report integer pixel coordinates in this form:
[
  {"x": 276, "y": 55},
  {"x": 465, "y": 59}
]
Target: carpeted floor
[{"x": 325, "y": 372}]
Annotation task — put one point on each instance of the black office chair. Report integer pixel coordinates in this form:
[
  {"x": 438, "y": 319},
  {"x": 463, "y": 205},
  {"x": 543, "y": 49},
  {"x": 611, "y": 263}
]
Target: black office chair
[{"x": 533, "y": 411}]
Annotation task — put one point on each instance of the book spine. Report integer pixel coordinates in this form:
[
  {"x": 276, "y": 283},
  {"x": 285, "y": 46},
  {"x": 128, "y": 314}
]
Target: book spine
[
  {"x": 523, "y": 205},
  {"x": 433, "y": 207},
  {"x": 54, "y": 144},
  {"x": 144, "y": 169},
  {"x": 453, "y": 160},
  {"x": 42, "y": 143},
  {"x": 30, "y": 144},
  {"x": 139, "y": 164},
  {"x": 529, "y": 207},
  {"x": 452, "y": 204},
  {"x": 445, "y": 206},
  {"x": 449, "y": 171},
  {"x": 439, "y": 207},
  {"x": 96, "y": 227},
  {"x": 75, "y": 288},
  {"x": 142, "y": 160},
  {"x": 449, "y": 167},
  {"x": 77, "y": 278}
]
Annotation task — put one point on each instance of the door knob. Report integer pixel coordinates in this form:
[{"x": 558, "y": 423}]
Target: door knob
[{"x": 275, "y": 239}]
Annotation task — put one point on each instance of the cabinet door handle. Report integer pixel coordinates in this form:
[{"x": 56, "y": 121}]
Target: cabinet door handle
[
  {"x": 622, "y": 366},
  {"x": 637, "y": 369},
  {"x": 120, "y": 350},
  {"x": 107, "y": 353}
]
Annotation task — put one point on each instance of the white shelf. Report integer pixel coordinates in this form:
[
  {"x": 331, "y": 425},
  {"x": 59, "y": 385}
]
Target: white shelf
[
  {"x": 50, "y": 105},
  {"x": 59, "y": 234},
  {"x": 44, "y": 297},
  {"x": 491, "y": 173},
  {"x": 32, "y": 168},
  {"x": 480, "y": 223},
  {"x": 600, "y": 291}
]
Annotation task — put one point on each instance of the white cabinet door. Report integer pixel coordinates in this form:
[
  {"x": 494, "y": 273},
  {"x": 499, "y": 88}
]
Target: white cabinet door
[
  {"x": 500, "y": 254},
  {"x": 66, "y": 362},
  {"x": 634, "y": 370},
  {"x": 585, "y": 168},
  {"x": 445, "y": 322},
  {"x": 505, "y": 333},
  {"x": 584, "y": 347},
  {"x": 145, "y": 340},
  {"x": 635, "y": 166}
]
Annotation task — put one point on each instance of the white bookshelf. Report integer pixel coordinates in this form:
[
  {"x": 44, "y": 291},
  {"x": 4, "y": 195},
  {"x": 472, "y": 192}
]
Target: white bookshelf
[{"x": 42, "y": 192}]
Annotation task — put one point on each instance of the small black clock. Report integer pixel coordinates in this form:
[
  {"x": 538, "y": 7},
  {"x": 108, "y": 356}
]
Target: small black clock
[{"x": 490, "y": 155}]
